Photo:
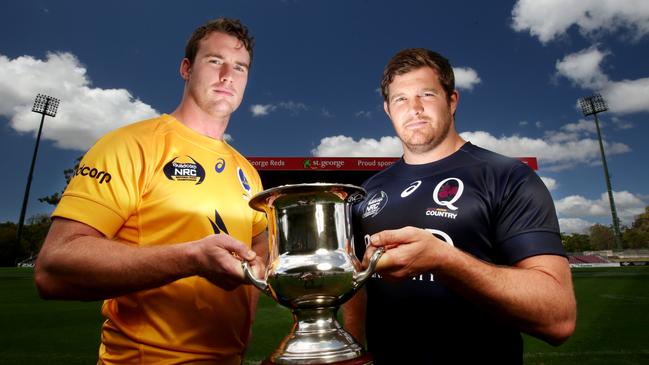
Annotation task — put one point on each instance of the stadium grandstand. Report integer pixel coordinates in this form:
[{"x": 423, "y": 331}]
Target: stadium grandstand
[
  {"x": 609, "y": 258},
  {"x": 590, "y": 261}
]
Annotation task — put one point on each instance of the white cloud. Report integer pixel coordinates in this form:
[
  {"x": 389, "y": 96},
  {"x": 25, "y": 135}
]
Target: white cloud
[
  {"x": 627, "y": 96},
  {"x": 574, "y": 225},
  {"x": 294, "y": 108},
  {"x": 573, "y": 131},
  {"x": 85, "y": 113},
  {"x": 259, "y": 110},
  {"x": 577, "y": 205},
  {"x": 365, "y": 147},
  {"x": 363, "y": 114},
  {"x": 581, "y": 126},
  {"x": 550, "y": 183},
  {"x": 627, "y": 205},
  {"x": 558, "y": 150},
  {"x": 466, "y": 78},
  {"x": 326, "y": 113},
  {"x": 621, "y": 123},
  {"x": 553, "y": 155},
  {"x": 550, "y": 19},
  {"x": 583, "y": 68}
]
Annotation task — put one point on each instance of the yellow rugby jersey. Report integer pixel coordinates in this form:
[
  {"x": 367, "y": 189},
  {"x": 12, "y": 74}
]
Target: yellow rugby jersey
[{"x": 159, "y": 182}]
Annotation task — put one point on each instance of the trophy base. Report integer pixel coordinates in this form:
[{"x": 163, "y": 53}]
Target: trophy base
[{"x": 365, "y": 359}]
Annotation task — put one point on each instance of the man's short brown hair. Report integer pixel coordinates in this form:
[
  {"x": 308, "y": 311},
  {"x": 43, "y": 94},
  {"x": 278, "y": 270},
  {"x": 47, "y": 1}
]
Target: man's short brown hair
[
  {"x": 232, "y": 27},
  {"x": 411, "y": 59}
]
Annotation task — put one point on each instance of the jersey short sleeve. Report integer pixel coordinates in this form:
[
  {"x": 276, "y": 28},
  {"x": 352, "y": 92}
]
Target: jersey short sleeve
[
  {"x": 107, "y": 182},
  {"x": 526, "y": 223}
]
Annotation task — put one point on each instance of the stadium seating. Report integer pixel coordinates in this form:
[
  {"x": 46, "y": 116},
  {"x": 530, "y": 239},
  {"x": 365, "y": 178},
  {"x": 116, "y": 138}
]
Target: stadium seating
[{"x": 587, "y": 259}]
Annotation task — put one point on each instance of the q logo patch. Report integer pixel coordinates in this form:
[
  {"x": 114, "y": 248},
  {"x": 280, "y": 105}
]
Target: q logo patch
[{"x": 448, "y": 191}]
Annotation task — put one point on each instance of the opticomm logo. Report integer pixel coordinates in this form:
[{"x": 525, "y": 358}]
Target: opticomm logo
[{"x": 101, "y": 176}]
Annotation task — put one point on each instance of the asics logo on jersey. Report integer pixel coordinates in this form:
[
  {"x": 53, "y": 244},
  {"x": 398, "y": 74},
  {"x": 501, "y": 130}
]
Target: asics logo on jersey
[
  {"x": 101, "y": 176},
  {"x": 220, "y": 165},
  {"x": 411, "y": 189},
  {"x": 217, "y": 224},
  {"x": 184, "y": 169},
  {"x": 448, "y": 191}
]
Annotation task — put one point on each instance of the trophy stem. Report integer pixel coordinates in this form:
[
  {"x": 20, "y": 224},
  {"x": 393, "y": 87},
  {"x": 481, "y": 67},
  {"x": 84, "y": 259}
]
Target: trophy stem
[{"x": 316, "y": 338}]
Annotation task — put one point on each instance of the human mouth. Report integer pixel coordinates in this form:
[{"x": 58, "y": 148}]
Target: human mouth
[
  {"x": 222, "y": 91},
  {"x": 416, "y": 123}
]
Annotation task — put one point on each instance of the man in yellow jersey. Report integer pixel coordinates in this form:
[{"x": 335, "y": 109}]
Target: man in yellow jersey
[{"x": 156, "y": 222}]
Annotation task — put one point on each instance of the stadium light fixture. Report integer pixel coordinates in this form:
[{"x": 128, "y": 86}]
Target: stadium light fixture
[
  {"x": 592, "y": 105},
  {"x": 44, "y": 105}
]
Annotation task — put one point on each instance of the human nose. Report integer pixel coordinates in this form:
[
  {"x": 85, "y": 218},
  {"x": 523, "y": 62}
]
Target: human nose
[
  {"x": 225, "y": 73},
  {"x": 416, "y": 106}
]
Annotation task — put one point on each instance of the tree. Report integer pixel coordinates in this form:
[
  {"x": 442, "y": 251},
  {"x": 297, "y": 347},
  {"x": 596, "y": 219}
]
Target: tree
[
  {"x": 69, "y": 174},
  {"x": 601, "y": 237},
  {"x": 638, "y": 235},
  {"x": 34, "y": 231},
  {"x": 34, "y": 236},
  {"x": 31, "y": 241},
  {"x": 8, "y": 245},
  {"x": 576, "y": 242}
]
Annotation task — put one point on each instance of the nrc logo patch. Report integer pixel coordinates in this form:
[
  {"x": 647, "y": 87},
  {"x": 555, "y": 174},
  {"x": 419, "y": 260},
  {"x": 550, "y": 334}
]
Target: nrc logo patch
[
  {"x": 375, "y": 204},
  {"x": 184, "y": 169}
]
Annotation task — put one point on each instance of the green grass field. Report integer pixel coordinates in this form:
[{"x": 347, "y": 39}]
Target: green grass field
[{"x": 612, "y": 327}]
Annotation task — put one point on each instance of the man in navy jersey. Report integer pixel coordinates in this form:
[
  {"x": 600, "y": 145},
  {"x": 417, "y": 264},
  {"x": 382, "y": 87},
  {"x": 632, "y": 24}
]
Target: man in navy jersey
[{"x": 473, "y": 253}]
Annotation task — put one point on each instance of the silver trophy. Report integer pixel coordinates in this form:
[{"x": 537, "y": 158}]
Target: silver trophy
[{"x": 312, "y": 269}]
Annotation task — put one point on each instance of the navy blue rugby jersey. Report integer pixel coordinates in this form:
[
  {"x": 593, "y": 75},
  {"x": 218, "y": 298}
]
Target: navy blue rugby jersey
[{"x": 491, "y": 206}]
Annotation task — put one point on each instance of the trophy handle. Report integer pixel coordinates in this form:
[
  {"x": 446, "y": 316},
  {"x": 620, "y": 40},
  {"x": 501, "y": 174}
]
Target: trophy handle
[
  {"x": 362, "y": 276},
  {"x": 260, "y": 284}
]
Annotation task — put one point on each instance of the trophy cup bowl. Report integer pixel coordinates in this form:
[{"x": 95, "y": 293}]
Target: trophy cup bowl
[{"x": 312, "y": 269}]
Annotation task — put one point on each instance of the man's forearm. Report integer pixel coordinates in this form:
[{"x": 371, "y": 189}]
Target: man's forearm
[
  {"x": 354, "y": 316},
  {"x": 92, "y": 268},
  {"x": 536, "y": 296}
]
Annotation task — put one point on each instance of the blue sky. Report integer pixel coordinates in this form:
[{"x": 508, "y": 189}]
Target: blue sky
[{"x": 313, "y": 87}]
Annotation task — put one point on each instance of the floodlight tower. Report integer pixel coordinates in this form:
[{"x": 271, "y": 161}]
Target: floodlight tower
[
  {"x": 591, "y": 105},
  {"x": 44, "y": 105}
]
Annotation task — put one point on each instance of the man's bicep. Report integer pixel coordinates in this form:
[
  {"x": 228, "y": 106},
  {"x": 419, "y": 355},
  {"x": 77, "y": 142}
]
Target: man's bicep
[
  {"x": 555, "y": 266},
  {"x": 64, "y": 230}
]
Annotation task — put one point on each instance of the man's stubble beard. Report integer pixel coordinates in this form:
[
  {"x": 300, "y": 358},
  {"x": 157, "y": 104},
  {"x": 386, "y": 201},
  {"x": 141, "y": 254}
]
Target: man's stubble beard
[{"x": 428, "y": 143}]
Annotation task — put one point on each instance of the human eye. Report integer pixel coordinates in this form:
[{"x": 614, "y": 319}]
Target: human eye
[
  {"x": 398, "y": 99},
  {"x": 215, "y": 60},
  {"x": 240, "y": 68}
]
